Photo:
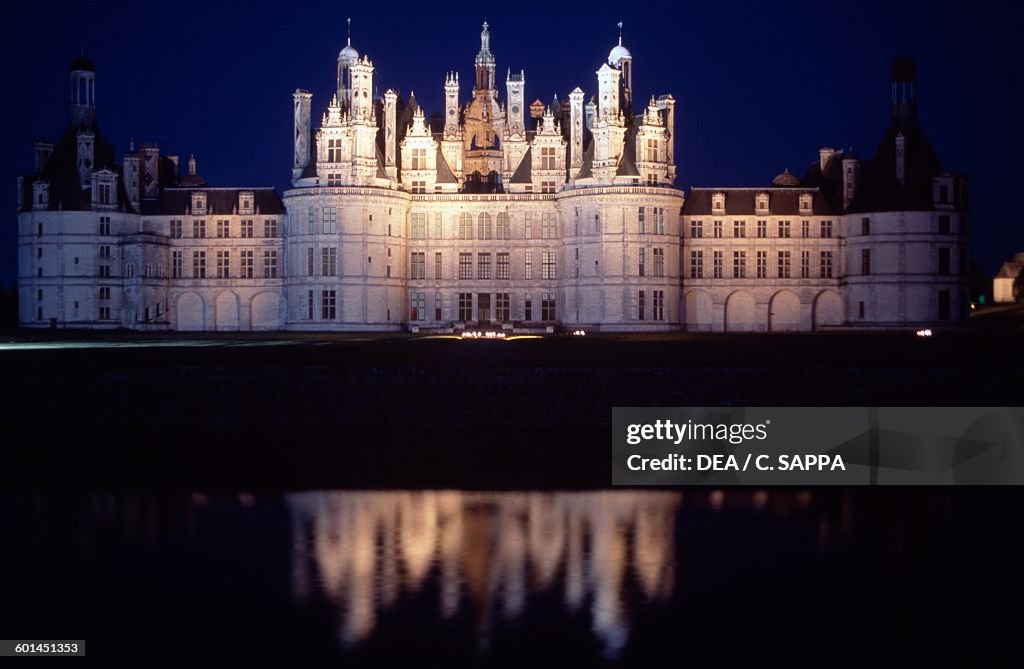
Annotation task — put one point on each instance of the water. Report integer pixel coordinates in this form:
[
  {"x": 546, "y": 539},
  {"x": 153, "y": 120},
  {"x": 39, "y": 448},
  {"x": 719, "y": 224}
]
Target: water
[{"x": 454, "y": 578}]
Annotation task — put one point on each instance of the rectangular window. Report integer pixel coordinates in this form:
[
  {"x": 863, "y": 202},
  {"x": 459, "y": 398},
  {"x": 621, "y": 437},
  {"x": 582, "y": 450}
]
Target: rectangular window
[
  {"x": 483, "y": 265},
  {"x": 659, "y": 262},
  {"x": 784, "y": 229},
  {"x": 549, "y": 226},
  {"x": 944, "y": 225},
  {"x": 105, "y": 227},
  {"x": 418, "y": 307},
  {"x": 762, "y": 229},
  {"x": 437, "y": 265},
  {"x": 418, "y": 226},
  {"x": 104, "y": 252},
  {"x": 528, "y": 226},
  {"x": 860, "y": 309},
  {"x": 547, "y": 158},
  {"x": 548, "y": 265},
  {"x": 177, "y": 264},
  {"x": 328, "y": 305},
  {"x": 223, "y": 264},
  {"x": 503, "y": 307},
  {"x": 465, "y": 266},
  {"x": 438, "y": 306},
  {"x": 104, "y": 293},
  {"x": 329, "y": 261},
  {"x": 944, "y": 260},
  {"x": 333, "y": 150},
  {"x": 309, "y": 261},
  {"x": 246, "y": 229},
  {"x": 529, "y": 264},
  {"x": 311, "y": 230},
  {"x": 104, "y": 313},
  {"x": 503, "y": 266},
  {"x": 223, "y": 228},
  {"x": 247, "y": 265},
  {"x": 652, "y": 150},
  {"x": 640, "y": 306},
  {"x": 805, "y": 264},
  {"x": 642, "y": 221},
  {"x": 418, "y": 265},
  {"x": 658, "y": 306},
  {"x": 419, "y": 159},
  {"x": 270, "y": 227},
  {"x": 696, "y": 229},
  {"x": 805, "y": 229},
  {"x": 547, "y": 186},
  {"x": 718, "y": 264},
  {"x": 547, "y": 307},
  {"x": 659, "y": 220},
  {"x": 865, "y": 261},
  {"x": 438, "y": 227},
  {"x": 175, "y": 229},
  {"x": 944, "y": 310},
  {"x": 785, "y": 264},
  {"x": 309, "y": 306},
  {"x": 762, "y": 264},
  {"x": 329, "y": 221},
  {"x": 739, "y": 229},
  {"x": 528, "y": 307},
  {"x": 696, "y": 264},
  {"x": 269, "y": 264},
  {"x": 199, "y": 264},
  {"x": 826, "y": 264},
  {"x": 825, "y": 229},
  {"x": 865, "y": 226},
  {"x": 199, "y": 229},
  {"x": 739, "y": 264},
  {"x": 641, "y": 262},
  {"x": 716, "y": 229},
  {"x": 465, "y": 306}
]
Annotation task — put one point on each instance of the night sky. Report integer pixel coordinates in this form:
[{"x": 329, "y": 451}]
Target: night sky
[{"x": 760, "y": 86}]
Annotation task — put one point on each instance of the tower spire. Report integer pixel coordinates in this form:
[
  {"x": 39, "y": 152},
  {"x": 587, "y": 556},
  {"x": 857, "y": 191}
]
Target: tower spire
[
  {"x": 350, "y": 32},
  {"x": 620, "y": 33}
]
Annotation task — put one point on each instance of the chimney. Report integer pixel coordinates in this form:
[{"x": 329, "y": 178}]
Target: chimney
[
  {"x": 825, "y": 155},
  {"x": 44, "y": 149},
  {"x": 901, "y": 159},
  {"x": 192, "y": 165}
]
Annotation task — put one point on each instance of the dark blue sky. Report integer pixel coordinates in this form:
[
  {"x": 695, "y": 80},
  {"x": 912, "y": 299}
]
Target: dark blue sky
[{"x": 760, "y": 86}]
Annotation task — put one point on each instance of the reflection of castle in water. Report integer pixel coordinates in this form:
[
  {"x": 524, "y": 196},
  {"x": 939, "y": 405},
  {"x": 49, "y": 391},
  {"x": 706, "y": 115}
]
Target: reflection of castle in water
[{"x": 363, "y": 549}]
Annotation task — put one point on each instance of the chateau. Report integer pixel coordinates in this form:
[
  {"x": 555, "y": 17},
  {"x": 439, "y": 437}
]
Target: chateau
[{"x": 498, "y": 212}]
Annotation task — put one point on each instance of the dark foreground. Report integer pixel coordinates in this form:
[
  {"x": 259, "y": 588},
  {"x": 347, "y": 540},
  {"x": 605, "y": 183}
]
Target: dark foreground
[
  {"x": 176, "y": 503},
  {"x": 276, "y": 412}
]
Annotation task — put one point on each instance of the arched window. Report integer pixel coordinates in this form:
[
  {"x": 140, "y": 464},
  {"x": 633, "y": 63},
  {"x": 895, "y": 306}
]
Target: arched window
[
  {"x": 465, "y": 226},
  {"x": 484, "y": 230}
]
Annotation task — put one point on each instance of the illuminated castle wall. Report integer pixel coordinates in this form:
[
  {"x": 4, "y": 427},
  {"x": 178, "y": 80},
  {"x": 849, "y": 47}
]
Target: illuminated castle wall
[{"x": 496, "y": 212}]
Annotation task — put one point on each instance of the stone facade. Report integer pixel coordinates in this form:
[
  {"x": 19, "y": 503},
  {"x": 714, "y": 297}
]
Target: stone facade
[{"x": 473, "y": 218}]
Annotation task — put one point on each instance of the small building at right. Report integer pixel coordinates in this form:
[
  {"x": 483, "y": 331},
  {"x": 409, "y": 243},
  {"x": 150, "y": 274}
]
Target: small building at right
[{"x": 1002, "y": 285}]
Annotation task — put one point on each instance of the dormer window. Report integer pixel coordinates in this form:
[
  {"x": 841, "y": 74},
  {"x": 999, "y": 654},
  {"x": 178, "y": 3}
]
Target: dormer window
[
  {"x": 761, "y": 202},
  {"x": 40, "y": 195},
  {"x": 198, "y": 204},
  {"x": 718, "y": 202},
  {"x": 942, "y": 191},
  {"x": 246, "y": 201},
  {"x": 104, "y": 193},
  {"x": 806, "y": 203}
]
